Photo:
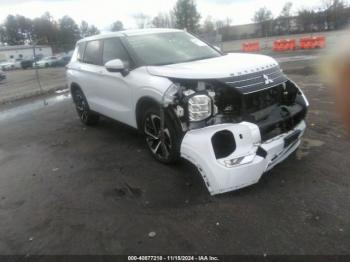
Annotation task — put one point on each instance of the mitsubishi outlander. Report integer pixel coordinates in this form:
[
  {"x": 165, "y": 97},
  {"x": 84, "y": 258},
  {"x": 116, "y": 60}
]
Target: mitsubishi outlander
[{"x": 234, "y": 116}]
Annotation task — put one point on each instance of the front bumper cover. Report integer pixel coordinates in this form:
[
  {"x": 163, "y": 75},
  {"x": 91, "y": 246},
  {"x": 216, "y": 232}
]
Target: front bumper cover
[{"x": 255, "y": 157}]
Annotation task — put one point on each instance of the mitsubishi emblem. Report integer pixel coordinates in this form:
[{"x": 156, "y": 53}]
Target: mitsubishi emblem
[{"x": 267, "y": 80}]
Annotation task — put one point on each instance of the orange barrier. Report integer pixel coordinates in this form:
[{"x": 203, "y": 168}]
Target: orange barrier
[
  {"x": 251, "y": 47},
  {"x": 284, "y": 45},
  {"x": 312, "y": 42}
]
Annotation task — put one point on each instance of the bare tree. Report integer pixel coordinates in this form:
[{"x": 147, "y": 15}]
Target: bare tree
[
  {"x": 223, "y": 27},
  {"x": 335, "y": 13},
  {"x": 88, "y": 30},
  {"x": 264, "y": 17},
  {"x": 187, "y": 16},
  {"x": 164, "y": 20},
  {"x": 117, "y": 26},
  {"x": 84, "y": 28},
  {"x": 208, "y": 25},
  {"x": 142, "y": 20},
  {"x": 286, "y": 15},
  {"x": 305, "y": 20}
]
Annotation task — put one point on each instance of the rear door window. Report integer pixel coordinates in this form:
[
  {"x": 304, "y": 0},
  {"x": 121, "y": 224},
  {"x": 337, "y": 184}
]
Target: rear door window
[
  {"x": 81, "y": 49},
  {"x": 92, "y": 54},
  {"x": 114, "y": 49}
]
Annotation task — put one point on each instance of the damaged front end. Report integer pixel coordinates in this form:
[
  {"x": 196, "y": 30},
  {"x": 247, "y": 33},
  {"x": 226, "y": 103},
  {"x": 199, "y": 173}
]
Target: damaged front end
[{"x": 237, "y": 128}]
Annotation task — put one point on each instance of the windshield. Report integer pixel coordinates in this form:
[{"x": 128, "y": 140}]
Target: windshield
[{"x": 170, "y": 48}]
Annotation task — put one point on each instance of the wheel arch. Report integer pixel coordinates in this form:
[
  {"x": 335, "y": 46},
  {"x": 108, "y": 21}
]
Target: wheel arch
[
  {"x": 146, "y": 102},
  {"x": 74, "y": 87},
  {"x": 142, "y": 104}
]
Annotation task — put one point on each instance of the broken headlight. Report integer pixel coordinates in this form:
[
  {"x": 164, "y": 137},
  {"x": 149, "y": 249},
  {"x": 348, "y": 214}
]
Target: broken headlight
[
  {"x": 199, "y": 107},
  {"x": 169, "y": 94}
]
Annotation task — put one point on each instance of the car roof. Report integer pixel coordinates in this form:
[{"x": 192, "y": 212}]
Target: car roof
[{"x": 130, "y": 33}]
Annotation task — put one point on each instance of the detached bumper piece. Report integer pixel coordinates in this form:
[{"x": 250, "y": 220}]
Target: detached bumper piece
[{"x": 232, "y": 156}]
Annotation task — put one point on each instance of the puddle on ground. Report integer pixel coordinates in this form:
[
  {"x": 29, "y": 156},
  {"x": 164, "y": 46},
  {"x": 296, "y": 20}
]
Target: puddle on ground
[
  {"x": 306, "y": 145},
  {"x": 33, "y": 106}
]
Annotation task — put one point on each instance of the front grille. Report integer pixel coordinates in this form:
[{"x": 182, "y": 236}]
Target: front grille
[
  {"x": 274, "y": 126},
  {"x": 273, "y": 108},
  {"x": 253, "y": 82},
  {"x": 260, "y": 100}
]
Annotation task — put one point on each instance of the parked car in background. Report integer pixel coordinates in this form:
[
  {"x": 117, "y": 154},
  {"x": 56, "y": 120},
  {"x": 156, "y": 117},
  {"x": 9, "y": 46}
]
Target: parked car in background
[
  {"x": 62, "y": 61},
  {"x": 11, "y": 64},
  {"x": 38, "y": 57},
  {"x": 234, "y": 116},
  {"x": 28, "y": 63},
  {"x": 46, "y": 62},
  {"x": 17, "y": 63},
  {"x": 2, "y": 75},
  {"x": 7, "y": 65}
]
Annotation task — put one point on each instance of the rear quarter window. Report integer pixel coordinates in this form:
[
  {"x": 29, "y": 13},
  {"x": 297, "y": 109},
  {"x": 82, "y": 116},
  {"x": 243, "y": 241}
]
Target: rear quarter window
[
  {"x": 80, "y": 51},
  {"x": 92, "y": 54}
]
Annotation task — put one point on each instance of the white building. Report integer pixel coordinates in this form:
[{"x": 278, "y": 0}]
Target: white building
[{"x": 23, "y": 51}]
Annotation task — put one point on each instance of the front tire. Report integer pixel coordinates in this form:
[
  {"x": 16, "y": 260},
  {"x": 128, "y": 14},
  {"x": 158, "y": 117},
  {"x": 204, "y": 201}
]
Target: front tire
[
  {"x": 167, "y": 149},
  {"x": 86, "y": 116}
]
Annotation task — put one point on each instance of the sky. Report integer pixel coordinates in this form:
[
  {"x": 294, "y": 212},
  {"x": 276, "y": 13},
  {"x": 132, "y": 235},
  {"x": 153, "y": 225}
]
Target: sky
[{"x": 103, "y": 13}]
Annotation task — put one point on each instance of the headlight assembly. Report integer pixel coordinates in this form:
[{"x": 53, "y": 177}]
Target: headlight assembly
[
  {"x": 169, "y": 94},
  {"x": 199, "y": 107}
]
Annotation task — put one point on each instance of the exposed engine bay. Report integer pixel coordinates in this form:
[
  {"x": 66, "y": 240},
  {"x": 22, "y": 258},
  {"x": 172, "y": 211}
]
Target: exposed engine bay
[
  {"x": 237, "y": 128},
  {"x": 266, "y": 98}
]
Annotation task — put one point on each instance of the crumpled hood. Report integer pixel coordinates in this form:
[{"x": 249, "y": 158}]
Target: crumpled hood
[{"x": 233, "y": 64}]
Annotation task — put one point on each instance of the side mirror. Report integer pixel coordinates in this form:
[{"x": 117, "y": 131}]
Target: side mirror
[{"x": 116, "y": 66}]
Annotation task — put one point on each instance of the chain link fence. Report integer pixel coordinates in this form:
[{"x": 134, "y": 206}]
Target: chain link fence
[{"x": 34, "y": 74}]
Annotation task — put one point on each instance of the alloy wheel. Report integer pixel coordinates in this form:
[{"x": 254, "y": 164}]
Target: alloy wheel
[
  {"x": 159, "y": 146},
  {"x": 81, "y": 106}
]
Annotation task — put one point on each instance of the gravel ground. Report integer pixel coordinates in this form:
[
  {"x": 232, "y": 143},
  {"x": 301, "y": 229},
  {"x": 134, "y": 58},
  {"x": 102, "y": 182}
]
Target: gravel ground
[{"x": 68, "y": 189}]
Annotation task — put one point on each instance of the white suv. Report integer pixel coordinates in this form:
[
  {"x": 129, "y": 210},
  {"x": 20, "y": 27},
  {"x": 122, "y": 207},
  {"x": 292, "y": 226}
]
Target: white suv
[{"x": 234, "y": 116}]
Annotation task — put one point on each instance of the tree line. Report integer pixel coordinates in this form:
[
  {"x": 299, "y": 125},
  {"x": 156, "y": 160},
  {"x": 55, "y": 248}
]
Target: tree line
[
  {"x": 330, "y": 15},
  {"x": 63, "y": 33}
]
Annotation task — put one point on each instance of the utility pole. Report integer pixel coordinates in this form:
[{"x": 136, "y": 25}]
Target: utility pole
[{"x": 37, "y": 72}]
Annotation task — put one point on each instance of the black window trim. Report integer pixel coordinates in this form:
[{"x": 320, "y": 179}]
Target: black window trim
[
  {"x": 133, "y": 60},
  {"x": 81, "y": 43},
  {"x": 132, "y": 54},
  {"x": 101, "y": 51}
]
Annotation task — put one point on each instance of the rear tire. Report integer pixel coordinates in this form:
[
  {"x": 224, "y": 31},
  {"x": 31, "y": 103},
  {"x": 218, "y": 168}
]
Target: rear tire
[
  {"x": 86, "y": 116},
  {"x": 165, "y": 150}
]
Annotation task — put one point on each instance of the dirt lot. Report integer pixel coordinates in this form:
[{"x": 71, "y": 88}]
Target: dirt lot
[
  {"x": 23, "y": 83},
  {"x": 67, "y": 189}
]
